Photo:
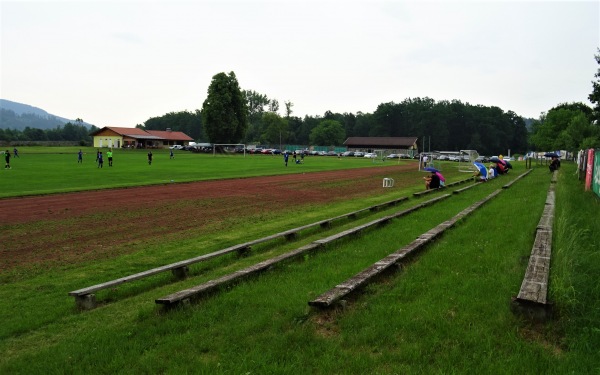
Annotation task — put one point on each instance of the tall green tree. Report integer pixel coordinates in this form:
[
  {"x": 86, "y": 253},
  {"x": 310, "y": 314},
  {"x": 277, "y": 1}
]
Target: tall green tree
[
  {"x": 565, "y": 127},
  {"x": 187, "y": 122},
  {"x": 328, "y": 132},
  {"x": 225, "y": 112},
  {"x": 594, "y": 97},
  {"x": 276, "y": 129}
]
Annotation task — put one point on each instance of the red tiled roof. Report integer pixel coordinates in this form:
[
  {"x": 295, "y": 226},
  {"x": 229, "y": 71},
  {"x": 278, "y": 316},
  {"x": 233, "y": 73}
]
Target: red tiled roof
[
  {"x": 170, "y": 135},
  {"x": 147, "y": 134}
]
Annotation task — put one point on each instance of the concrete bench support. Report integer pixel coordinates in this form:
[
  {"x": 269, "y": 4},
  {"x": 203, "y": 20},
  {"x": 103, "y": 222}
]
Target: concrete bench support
[
  {"x": 181, "y": 272},
  {"x": 85, "y": 302}
]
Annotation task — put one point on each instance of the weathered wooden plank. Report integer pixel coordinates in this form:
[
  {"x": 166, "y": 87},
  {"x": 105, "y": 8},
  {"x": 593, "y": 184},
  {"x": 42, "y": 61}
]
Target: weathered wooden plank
[
  {"x": 534, "y": 288},
  {"x": 209, "y": 286},
  {"x": 533, "y": 292},
  {"x": 333, "y": 295},
  {"x": 458, "y": 191},
  {"x": 516, "y": 179},
  {"x": 244, "y": 246},
  {"x": 155, "y": 271},
  {"x": 213, "y": 284}
]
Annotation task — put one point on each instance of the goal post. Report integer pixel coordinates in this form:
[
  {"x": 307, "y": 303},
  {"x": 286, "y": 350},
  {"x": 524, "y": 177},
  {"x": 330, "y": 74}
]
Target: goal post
[
  {"x": 381, "y": 155},
  {"x": 228, "y": 148},
  {"x": 466, "y": 160}
]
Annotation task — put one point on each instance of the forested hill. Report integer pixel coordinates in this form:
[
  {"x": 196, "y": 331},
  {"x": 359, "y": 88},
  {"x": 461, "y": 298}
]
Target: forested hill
[{"x": 19, "y": 116}]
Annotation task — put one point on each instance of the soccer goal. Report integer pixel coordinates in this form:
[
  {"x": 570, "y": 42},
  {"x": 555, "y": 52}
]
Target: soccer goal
[
  {"x": 229, "y": 149},
  {"x": 380, "y": 156},
  {"x": 427, "y": 160},
  {"x": 466, "y": 160}
]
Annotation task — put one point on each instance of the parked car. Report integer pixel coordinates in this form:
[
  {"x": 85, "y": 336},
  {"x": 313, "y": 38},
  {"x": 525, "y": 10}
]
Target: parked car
[
  {"x": 176, "y": 147},
  {"x": 348, "y": 153},
  {"x": 332, "y": 153},
  {"x": 393, "y": 156},
  {"x": 371, "y": 155},
  {"x": 404, "y": 156},
  {"x": 359, "y": 154}
]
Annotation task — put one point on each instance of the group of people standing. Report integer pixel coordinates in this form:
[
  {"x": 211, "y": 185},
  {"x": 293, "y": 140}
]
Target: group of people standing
[
  {"x": 109, "y": 157},
  {"x": 99, "y": 158},
  {"x": 286, "y": 157}
]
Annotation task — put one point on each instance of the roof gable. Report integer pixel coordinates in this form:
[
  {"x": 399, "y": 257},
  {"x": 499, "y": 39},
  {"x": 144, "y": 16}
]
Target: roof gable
[
  {"x": 170, "y": 135},
  {"x": 145, "y": 134}
]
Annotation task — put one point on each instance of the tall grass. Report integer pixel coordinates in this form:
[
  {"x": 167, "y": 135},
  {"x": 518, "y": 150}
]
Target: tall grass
[
  {"x": 576, "y": 266},
  {"x": 445, "y": 311}
]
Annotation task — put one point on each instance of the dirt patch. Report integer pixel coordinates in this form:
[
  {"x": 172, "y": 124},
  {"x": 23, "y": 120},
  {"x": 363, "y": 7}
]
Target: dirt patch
[{"x": 82, "y": 226}]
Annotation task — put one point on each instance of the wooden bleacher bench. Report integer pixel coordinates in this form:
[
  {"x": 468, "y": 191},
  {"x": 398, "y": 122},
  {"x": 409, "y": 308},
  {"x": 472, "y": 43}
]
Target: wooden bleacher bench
[
  {"x": 532, "y": 299},
  {"x": 213, "y": 285},
  {"x": 421, "y": 193},
  {"x": 335, "y": 294},
  {"x": 517, "y": 179},
  {"x": 85, "y": 298}
]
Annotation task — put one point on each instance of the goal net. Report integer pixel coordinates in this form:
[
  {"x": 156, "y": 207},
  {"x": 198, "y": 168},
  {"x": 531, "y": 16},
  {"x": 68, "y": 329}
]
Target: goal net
[
  {"x": 380, "y": 156},
  {"x": 466, "y": 160}
]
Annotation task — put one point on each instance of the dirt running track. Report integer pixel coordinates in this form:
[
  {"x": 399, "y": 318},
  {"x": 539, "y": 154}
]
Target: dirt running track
[{"x": 74, "y": 227}]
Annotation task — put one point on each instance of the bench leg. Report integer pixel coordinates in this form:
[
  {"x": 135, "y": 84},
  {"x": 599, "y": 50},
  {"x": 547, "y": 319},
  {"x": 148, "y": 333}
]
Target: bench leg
[
  {"x": 291, "y": 236},
  {"x": 86, "y": 302},
  {"x": 244, "y": 251},
  {"x": 181, "y": 272},
  {"x": 325, "y": 225}
]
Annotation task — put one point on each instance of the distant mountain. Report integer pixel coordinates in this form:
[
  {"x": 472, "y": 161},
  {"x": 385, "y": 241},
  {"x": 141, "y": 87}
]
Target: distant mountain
[{"x": 18, "y": 116}]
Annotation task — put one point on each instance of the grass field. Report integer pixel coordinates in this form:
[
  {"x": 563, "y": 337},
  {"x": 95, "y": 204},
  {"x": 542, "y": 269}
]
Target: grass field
[
  {"x": 43, "y": 170},
  {"x": 447, "y": 312}
]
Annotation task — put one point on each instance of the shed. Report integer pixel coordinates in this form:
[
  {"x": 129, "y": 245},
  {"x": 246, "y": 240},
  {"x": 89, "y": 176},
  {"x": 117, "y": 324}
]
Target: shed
[
  {"x": 117, "y": 137},
  {"x": 391, "y": 144}
]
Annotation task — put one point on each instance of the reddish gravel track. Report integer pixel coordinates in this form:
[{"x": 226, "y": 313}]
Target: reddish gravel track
[{"x": 68, "y": 227}]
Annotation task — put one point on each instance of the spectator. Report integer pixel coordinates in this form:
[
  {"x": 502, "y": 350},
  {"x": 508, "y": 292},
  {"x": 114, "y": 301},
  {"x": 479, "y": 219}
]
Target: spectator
[
  {"x": 554, "y": 164},
  {"x": 491, "y": 172},
  {"x": 7, "y": 159},
  {"x": 432, "y": 182}
]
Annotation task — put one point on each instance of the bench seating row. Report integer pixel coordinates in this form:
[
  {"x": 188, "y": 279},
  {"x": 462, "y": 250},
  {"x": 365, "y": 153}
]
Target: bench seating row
[
  {"x": 532, "y": 299},
  {"x": 85, "y": 298},
  {"x": 213, "y": 285},
  {"x": 420, "y": 193},
  {"x": 335, "y": 295}
]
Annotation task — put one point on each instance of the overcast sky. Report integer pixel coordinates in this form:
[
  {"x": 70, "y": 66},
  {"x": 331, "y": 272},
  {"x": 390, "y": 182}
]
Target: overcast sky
[{"x": 118, "y": 63}]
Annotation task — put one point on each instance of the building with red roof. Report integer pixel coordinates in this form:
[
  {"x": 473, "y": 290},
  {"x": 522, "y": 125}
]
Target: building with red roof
[{"x": 117, "y": 137}]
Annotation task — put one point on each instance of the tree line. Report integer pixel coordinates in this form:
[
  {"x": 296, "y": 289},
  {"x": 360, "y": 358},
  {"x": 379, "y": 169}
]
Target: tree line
[
  {"x": 232, "y": 115},
  {"x": 67, "y": 132}
]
